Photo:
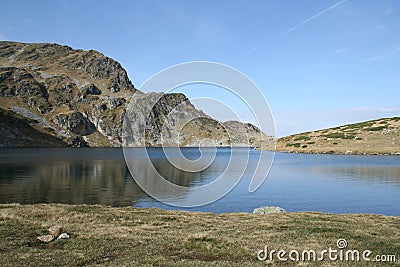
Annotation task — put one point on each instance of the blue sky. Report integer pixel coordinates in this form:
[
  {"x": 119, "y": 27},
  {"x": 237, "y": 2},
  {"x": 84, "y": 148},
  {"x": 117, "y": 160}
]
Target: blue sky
[{"x": 319, "y": 63}]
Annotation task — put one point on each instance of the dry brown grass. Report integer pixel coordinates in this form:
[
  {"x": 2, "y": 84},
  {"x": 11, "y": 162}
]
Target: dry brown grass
[{"x": 102, "y": 235}]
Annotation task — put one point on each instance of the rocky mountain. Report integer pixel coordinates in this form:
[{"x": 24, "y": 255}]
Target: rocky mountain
[
  {"x": 53, "y": 95},
  {"x": 380, "y": 136}
]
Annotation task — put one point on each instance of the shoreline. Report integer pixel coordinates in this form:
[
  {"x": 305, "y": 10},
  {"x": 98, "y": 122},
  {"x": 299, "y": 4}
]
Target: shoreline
[
  {"x": 103, "y": 235},
  {"x": 16, "y": 204},
  {"x": 277, "y": 151},
  {"x": 338, "y": 153}
]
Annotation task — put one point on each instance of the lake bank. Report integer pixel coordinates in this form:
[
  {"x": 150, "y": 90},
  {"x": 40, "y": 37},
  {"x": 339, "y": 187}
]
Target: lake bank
[{"x": 102, "y": 235}]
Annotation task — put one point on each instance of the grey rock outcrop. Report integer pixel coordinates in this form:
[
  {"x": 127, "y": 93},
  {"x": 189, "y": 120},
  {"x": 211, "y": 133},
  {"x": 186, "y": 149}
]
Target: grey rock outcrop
[
  {"x": 115, "y": 102},
  {"x": 18, "y": 83},
  {"x": 157, "y": 119},
  {"x": 75, "y": 122}
]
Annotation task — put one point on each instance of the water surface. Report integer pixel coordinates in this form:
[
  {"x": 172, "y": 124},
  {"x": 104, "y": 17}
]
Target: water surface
[{"x": 297, "y": 182}]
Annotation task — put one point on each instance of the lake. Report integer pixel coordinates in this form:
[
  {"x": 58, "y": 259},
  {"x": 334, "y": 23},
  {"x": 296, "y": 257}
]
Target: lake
[{"x": 296, "y": 182}]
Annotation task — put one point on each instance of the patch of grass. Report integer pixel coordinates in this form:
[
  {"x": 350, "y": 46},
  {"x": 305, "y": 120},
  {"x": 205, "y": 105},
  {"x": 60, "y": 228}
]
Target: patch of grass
[
  {"x": 85, "y": 209},
  {"x": 340, "y": 135},
  {"x": 358, "y": 125},
  {"x": 310, "y": 143},
  {"x": 168, "y": 218},
  {"x": 333, "y": 135},
  {"x": 302, "y": 138},
  {"x": 377, "y": 128},
  {"x": 293, "y": 144},
  {"x": 209, "y": 249}
]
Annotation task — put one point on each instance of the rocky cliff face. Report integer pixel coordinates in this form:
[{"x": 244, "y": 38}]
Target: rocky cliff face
[{"x": 79, "y": 98}]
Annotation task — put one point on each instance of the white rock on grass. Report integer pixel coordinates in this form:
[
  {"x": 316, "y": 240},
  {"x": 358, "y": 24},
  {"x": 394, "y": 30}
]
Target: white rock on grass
[
  {"x": 63, "y": 236},
  {"x": 268, "y": 209}
]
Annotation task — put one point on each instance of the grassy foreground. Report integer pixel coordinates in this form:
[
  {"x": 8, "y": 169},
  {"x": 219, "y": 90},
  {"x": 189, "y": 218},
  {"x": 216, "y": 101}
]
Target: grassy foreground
[{"x": 102, "y": 235}]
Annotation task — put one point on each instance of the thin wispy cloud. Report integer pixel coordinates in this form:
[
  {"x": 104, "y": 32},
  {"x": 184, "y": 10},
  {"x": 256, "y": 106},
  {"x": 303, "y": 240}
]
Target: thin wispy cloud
[
  {"x": 298, "y": 25},
  {"x": 339, "y": 51},
  {"x": 312, "y": 18},
  {"x": 385, "y": 55}
]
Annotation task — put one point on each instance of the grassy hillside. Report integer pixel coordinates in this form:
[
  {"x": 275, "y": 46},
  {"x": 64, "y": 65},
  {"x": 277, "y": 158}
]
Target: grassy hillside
[
  {"x": 128, "y": 236},
  {"x": 380, "y": 136}
]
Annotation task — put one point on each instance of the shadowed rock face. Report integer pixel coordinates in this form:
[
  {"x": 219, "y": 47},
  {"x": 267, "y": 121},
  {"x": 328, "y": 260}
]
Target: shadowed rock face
[
  {"x": 19, "y": 82},
  {"x": 81, "y": 97},
  {"x": 75, "y": 122},
  {"x": 90, "y": 89},
  {"x": 17, "y": 131}
]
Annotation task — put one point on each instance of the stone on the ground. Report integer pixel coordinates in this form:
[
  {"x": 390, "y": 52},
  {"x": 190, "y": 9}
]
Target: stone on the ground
[
  {"x": 64, "y": 236},
  {"x": 56, "y": 231},
  {"x": 268, "y": 209}
]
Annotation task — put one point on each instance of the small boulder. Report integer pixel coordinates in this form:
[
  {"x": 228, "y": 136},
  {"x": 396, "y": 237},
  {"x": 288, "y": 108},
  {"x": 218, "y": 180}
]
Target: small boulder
[
  {"x": 64, "y": 236},
  {"x": 56, "y": 231},
  {"x": 268, "y": 209}
]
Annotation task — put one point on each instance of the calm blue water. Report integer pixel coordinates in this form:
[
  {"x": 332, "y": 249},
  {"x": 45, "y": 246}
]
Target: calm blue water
[{"x": 297, "y": 182}]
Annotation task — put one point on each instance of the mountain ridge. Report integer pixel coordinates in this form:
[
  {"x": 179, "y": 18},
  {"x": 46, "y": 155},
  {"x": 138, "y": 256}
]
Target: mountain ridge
[{"x": 81, "y": 97}]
